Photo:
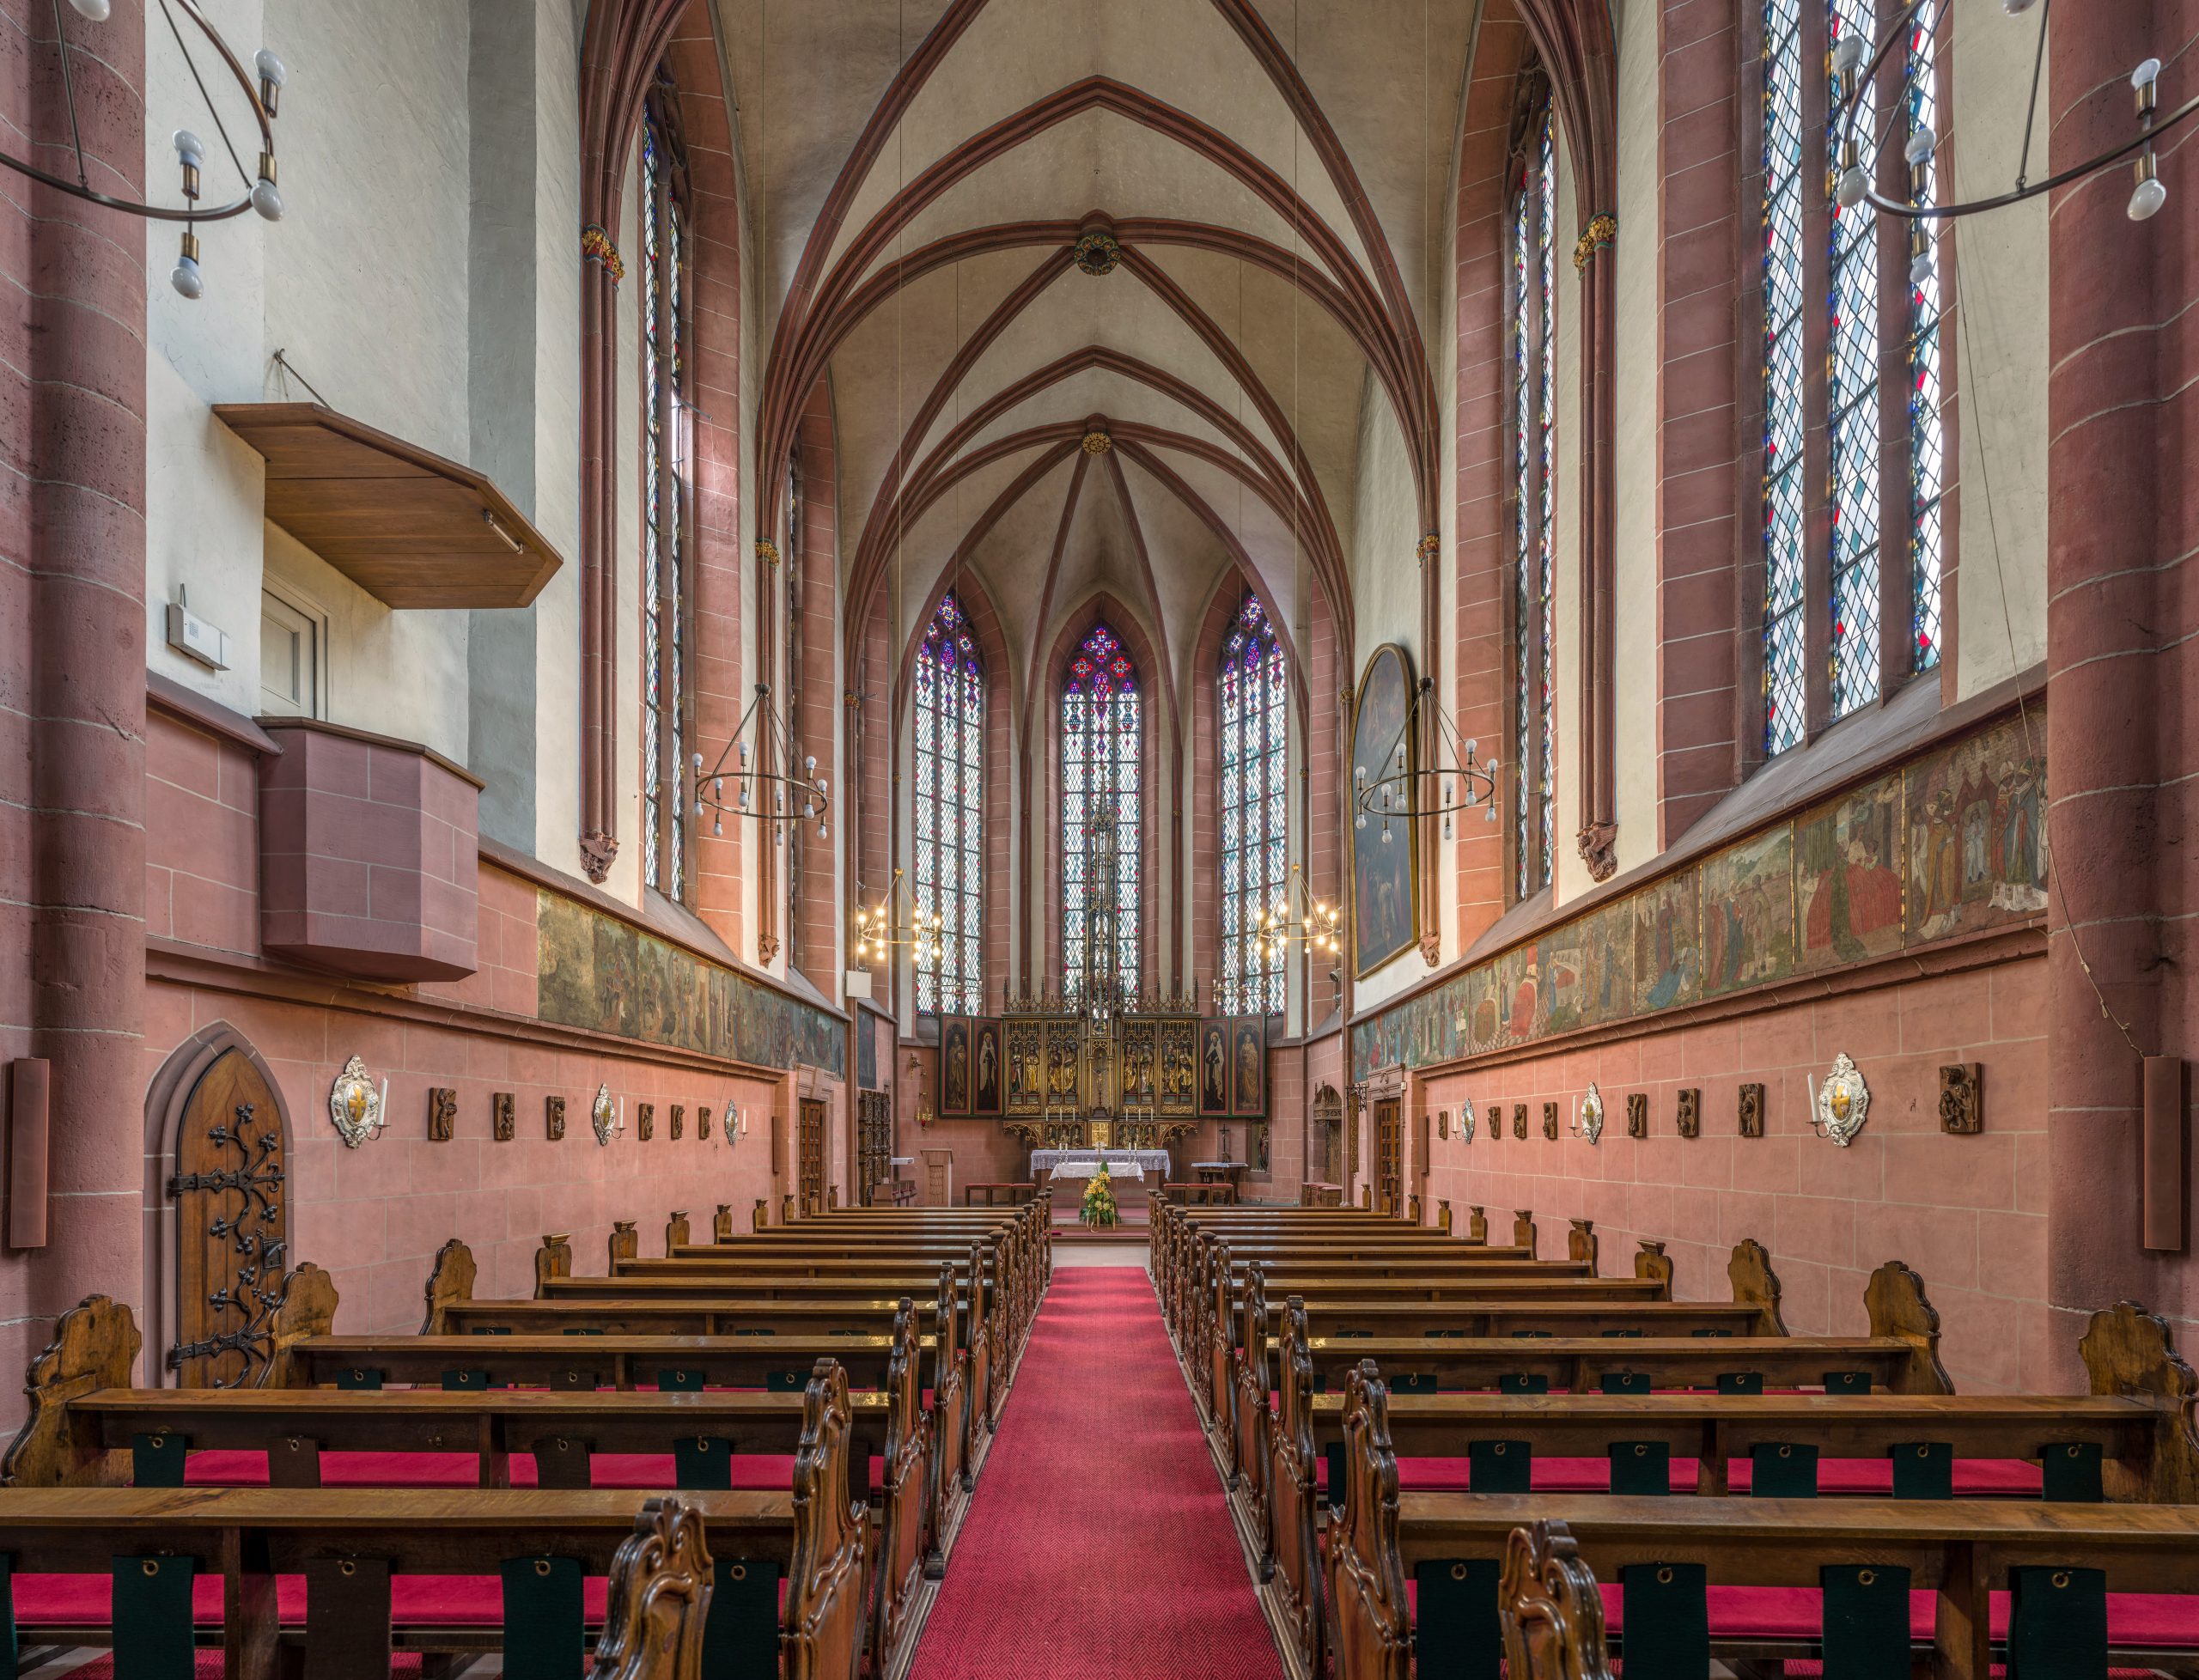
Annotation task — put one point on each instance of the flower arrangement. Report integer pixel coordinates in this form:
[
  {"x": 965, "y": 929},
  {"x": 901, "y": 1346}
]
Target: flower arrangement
[{"x": 1098, "y": 1200}]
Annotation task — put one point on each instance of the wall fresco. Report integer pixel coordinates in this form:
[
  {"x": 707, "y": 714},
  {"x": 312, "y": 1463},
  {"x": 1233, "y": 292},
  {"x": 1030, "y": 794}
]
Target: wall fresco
[
  {"x": 601, "y": 973},
  {"x": 1950, "y": 843}
]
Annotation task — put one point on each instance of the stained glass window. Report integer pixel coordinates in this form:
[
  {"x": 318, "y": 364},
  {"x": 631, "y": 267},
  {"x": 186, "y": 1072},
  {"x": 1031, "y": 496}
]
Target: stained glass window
[
  {"x": 1102, "y": 732},
  {"x": 1785, "y": 554},
  {"x": 1254, "y": 823},
  {"x": 664, "y": 536},
  {"x": 1927, "y": 441},
  {"x": 1852, "y": 398},
  {"x": 1534, "y": 618},
  {"x": 950, "y": 809}
]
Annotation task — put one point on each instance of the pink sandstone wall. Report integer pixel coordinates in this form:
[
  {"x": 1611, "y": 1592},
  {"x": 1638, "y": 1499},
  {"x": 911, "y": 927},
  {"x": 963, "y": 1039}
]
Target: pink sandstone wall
[
  {"x": 1969, "y": 1213},
  {"x": 374, "y": 1216}
]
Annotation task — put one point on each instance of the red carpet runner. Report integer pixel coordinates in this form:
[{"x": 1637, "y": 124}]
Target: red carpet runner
[{"x": 1098, "y": 1545}]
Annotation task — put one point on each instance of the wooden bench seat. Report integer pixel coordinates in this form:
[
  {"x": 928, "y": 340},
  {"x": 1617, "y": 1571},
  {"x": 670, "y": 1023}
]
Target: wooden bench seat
[
  {"x": 442, "y": 1570},
  {"x": 1667, "y": 1561},
  {"x": 2132, "y": 1443}
]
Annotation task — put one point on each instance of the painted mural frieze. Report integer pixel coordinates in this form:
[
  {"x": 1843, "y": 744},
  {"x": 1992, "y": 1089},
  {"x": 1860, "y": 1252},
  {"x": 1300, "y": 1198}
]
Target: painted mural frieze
[
  {"x": 1951, "y": 843},
  {"x": 600, "y": 973}
]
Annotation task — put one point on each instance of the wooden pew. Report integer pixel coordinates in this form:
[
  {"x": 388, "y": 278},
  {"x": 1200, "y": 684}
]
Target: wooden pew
[
  {"x": 2140, "y": 1421},
  {"x": 87, "y": 1427},
  {"x": 348, "y": 1544}
]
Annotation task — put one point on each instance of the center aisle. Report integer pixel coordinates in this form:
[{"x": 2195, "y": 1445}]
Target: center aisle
[{"x": 1098, "y": 1543}]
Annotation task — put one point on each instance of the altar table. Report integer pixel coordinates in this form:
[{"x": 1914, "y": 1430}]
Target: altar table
[{"x": 1134, "y": 1164}]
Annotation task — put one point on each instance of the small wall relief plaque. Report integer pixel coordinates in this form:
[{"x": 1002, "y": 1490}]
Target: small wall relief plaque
[
  {"x": 1443, "y": 1125},
  {"x": 1751, "y": 1110},
  {"x": 504, "y": 1115},
  {"x": 1519, "y": 1119},
  {"x": 442, "y": 1113},
  {"x": 679, "y": 1121},
  {"x": 1549, "y": 1121},
  {"x": 645, "y": 1113},
  {"x": 702, "y": 1125},
  {"x": 1687, "y": 1114},
  {"x": 1637, "y": 1114},
  {"x": 1962, "y": 1097},
  {"x": 553, "y": 1118}
]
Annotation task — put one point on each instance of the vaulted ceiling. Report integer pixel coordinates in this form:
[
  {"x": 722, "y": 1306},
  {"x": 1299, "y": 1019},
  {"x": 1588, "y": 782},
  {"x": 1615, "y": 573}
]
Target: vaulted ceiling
[{"x": 1271, "y": 175}]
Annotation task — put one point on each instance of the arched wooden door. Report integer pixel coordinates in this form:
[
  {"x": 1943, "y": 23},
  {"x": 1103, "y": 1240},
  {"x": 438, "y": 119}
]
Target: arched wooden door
[
  {"x": 1389, "y": 1168},
  {"x": 232, "y": 1223}
]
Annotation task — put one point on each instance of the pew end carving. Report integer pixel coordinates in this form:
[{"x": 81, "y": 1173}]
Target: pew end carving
[
  {"x": 1291, "y": 1560},
  {"x": 1443, "y": 1217},
  {"x": 1896, "y": 1301},
  {"x": 760, "y": 1216},
  {"x": 1551, "y": 1610},
  {"x": 452, "y": 1278},
  {"x": 307, "y": 1309},
  {"x": 907, "y": 1486},
  {"x": 660, "y": 1598},
  {"x": 2129, "y": 1351},
  {"x": 721, "y": 1224},
  {"x": 1372, "y": 1632},
  {"x": 1651, "y": 1261},
  {"x": 94, "y": 1346},
  {"x": 676, "y": 1232},
  {"x": 1755, "y": 1284},
  {"x": 1581, "y": 1244},
  {"x": 1523, "y": 1230},
  {"x": 1477, "y": 1225},
  {"x": 554, "y": 1259},
  {"x": 625, "y": 1242},
  {"x": 821, "y": 1626}
]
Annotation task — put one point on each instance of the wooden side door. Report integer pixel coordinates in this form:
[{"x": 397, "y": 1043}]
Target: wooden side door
[
  {"x": 233, "y": 1226},
  {"x": 809, "y": 1157},
  {"x": 1389, "y": 1183}
]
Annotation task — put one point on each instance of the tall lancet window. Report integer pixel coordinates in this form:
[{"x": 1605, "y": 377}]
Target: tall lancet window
[
  {"x": 950, "y": 809},
  {"x": 1254, "y": 821},
  {"x": 666, "y": 632},
  {"x": 1534, "y": 601},
  {"x": 1852, "y": 399},
  {"x": 1102, "y": 735},
  {"x": 1851, "y": 594}
]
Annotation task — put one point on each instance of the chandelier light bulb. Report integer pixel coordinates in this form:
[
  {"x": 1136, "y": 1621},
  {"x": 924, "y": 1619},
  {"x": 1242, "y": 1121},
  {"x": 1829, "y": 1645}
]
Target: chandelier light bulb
[
  {"x": 272, "y": 74},
  {"x": 1854, "y": 184},
  {"x": 2147, "y": 199},
  {"x": 1921, "y": 144},
  {"x": 2017, "y": 8},
  {"x": 2147, "y": 74},
  {"x": 1920, "y": 268},
  {"x": 184, "y": 276},
  {"x": 93, "y": 11},
  {"x": 267, "y": 200},
  {"x": 190, "y": 149},
  {"x": 1848, "y": 53}
]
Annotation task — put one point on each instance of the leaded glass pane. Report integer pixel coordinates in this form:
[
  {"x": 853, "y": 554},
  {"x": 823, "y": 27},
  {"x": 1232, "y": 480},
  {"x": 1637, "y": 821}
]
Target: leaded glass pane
[
  {"x": 1102, "y": 728},
  {"x": 949, "y": 817},
  {"x": 1534, "y": 388},
  {"x": 1252, "y": 830},
  {"x": 1926, "y": 439},
  {"x": 1785, "y": 684}
]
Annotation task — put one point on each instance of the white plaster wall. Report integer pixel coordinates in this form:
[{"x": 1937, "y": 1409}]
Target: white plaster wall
[
  {"x": 1570, "y": 876},
  {"x": 557, "y": 431},
  {"x": 1636, "y": 559},
  {"x": 363, "y": 285},
  {"x": 1997, "y": 349},
  {"x": 1385, "y": 585},
  {"x": 203, "y": 483}
]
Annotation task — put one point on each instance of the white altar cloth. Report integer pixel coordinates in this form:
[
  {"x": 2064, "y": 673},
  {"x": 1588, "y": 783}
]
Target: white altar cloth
[{"x": 1133, "y": 1164}]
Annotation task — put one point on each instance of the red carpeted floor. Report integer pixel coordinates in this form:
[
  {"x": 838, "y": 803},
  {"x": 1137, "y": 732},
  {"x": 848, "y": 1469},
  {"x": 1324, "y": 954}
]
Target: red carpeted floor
[{"x": 1098, "y": 1545}]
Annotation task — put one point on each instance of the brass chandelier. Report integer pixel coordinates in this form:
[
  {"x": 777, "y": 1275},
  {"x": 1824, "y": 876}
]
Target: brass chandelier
[
  {"x": 766, "y": 788},
  {"x": 1459, "y": 779}
]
